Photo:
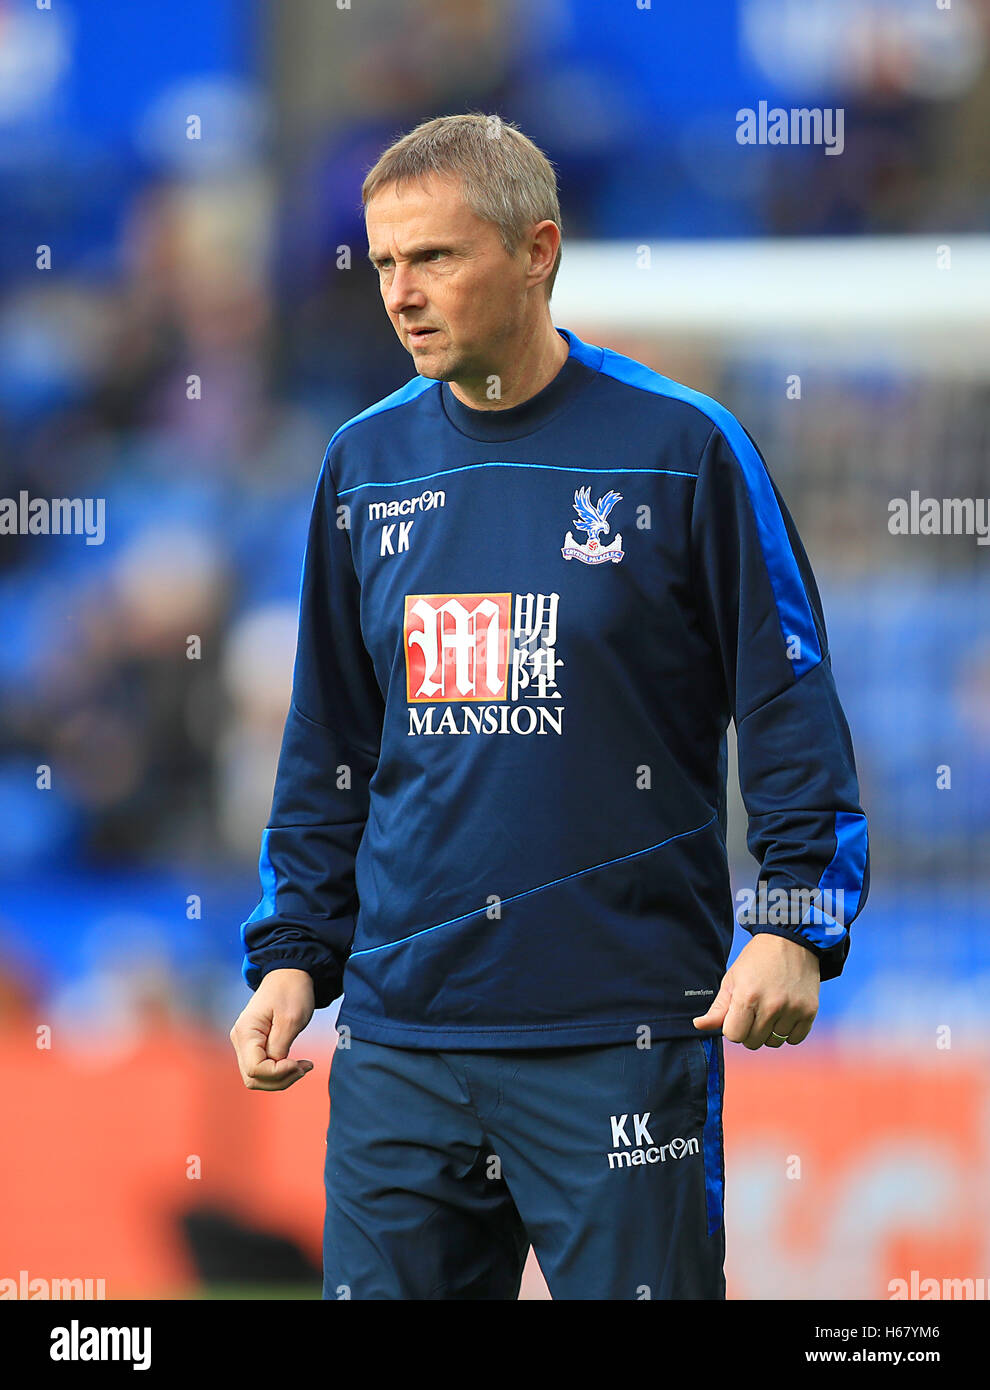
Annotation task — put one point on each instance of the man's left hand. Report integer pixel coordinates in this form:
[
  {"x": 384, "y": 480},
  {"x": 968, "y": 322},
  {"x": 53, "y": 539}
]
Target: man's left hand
[{"x": 771, "y": 988}]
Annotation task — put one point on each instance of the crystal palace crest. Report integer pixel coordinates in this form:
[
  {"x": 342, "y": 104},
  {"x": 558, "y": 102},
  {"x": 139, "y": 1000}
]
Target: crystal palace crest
[{"x": 593, "y": 520}]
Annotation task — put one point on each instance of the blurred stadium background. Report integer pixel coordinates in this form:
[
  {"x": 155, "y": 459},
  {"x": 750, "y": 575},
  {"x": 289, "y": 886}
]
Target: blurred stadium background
[{"x": 133, "y": 1153}]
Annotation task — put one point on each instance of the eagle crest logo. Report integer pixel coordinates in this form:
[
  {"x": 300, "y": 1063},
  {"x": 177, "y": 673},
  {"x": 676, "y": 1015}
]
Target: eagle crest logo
[{"x": 594, "y": 520}]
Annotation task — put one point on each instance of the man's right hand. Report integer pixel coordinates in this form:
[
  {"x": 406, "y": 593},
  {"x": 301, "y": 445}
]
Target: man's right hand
[{"x": 277, "y": 1012}]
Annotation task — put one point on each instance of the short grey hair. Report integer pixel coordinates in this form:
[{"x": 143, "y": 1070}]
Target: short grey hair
[{"x": 505, "y": 178}]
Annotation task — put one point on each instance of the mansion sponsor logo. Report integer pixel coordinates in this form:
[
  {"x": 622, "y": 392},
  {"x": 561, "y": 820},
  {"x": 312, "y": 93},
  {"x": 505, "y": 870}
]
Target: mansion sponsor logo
[
  {"x": 919, "y": 1286},
  {"x": 940, "y": 516},
  {"x": 636, "y": 1149},
  {"x": 81, "y": 1343},
  {"x": 27, "y": 1286},
  {"x": 476, "y": 663},
  {"x": 801, "y": 125},
  {"x": 57, "y": 516}
]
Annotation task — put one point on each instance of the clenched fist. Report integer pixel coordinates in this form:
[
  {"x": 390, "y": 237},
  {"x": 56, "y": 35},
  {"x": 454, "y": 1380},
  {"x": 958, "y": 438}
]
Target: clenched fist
[{"x": 277, "y": 1012}]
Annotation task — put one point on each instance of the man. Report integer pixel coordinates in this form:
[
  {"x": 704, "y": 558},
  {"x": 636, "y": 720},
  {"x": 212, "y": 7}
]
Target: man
[{"x": 539, "y": 581}]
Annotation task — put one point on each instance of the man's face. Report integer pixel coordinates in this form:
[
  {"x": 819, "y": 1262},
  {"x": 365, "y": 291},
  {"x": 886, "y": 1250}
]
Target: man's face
[{"x": 445, "y": 270}]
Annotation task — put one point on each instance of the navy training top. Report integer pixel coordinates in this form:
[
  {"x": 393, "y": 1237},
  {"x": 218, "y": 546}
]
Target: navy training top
[{"x": 499, "y": 811}]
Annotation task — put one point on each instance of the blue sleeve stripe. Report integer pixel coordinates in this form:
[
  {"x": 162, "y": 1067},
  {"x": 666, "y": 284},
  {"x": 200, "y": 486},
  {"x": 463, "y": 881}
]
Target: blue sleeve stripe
[
  {"x": 848, "y": 867},
  {"x": 793, "y": 606},
  {"x": 269, "y": 886},
  {"x": 842, "y": 881}
]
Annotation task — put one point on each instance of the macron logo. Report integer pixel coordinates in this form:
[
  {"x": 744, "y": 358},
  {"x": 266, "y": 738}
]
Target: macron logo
[
  {"x": 425, "y": 502},
  {"x": 632, "y": 1151},
  {"x": 394, "y": 537}
]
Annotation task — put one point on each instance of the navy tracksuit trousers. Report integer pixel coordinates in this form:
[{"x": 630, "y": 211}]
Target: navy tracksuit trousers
[{"x": 443, "y": 1166}]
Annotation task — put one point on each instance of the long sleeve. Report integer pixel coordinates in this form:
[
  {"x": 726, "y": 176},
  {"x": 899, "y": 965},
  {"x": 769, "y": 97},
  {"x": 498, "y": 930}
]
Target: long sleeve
[
  {"x": 330, "y": 749},
  {"x": 760, "y": 606}
]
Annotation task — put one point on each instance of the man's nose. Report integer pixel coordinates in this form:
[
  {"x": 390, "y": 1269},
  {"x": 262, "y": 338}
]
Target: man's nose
[{"x": 403, "y": 291}]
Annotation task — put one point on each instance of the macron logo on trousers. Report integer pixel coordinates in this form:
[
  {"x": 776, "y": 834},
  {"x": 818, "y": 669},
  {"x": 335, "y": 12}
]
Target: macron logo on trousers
[{"x": 640, "y": 1148}]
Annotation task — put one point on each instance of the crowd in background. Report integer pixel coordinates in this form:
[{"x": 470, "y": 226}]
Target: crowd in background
[{"x": 190, "y": 353}]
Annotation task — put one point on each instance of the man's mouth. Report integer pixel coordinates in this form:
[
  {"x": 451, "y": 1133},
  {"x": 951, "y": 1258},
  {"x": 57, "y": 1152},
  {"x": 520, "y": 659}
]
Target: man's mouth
[{"x": 420, "y": 335}]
